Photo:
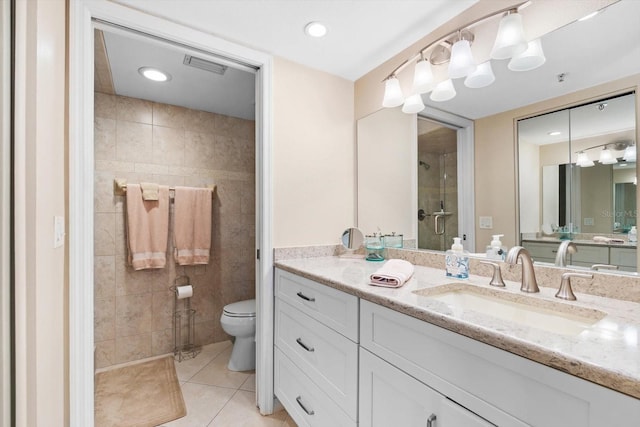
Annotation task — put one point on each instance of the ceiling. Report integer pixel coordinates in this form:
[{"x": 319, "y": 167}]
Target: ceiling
[{"x": 362, "y": 34}]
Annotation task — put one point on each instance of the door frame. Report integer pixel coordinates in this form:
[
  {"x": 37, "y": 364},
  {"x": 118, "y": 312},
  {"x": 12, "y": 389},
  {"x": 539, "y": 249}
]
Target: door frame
[
  {"x": 81, "y": 178},
  {"x": 465, "y": 158}
]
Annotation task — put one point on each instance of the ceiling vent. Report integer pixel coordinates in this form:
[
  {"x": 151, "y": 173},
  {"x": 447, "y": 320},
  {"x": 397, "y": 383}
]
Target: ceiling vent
[{"x": 203, "y": 64}]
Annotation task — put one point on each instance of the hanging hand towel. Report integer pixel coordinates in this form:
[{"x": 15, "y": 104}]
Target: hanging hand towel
[
  {"x": 192, "y": 225},
  {"x": 150, "y": 191},
  {"x": 147, "y": 228},
  {"x": 393, "y": 274}
]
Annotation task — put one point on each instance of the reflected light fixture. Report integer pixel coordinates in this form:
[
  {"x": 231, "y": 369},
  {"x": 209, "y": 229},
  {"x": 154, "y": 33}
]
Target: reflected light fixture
[
  {"x": 583, "y": 160},
  {"x": 630, "y": 153},
  {"x": 154, "y": 74},
  {"x": 392, "y": 93},
  {"x": 554, "y": 133},
  {"x": 455, "y": 49},
  {"x": 531, "y": 58},
  {"x": 606, "y": 158},
  {"x": 413, "y": 104}
]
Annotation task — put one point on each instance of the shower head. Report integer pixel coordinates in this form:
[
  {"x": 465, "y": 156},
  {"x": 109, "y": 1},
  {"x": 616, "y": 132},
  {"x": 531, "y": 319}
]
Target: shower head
[{"x": 426, "y": 165}]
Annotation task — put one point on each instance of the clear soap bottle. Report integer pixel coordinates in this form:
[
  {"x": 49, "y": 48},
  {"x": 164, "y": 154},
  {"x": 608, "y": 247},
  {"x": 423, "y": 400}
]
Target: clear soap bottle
[{"x": 457, "y": 260}]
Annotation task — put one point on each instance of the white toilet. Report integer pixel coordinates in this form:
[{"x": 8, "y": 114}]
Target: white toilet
[{"x": 239, "y": 320}]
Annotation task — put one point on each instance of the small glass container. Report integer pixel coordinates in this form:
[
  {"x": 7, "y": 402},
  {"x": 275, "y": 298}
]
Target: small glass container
[
  {"x": 393, "y": 240},
  {"x": 374, "y": 247}
]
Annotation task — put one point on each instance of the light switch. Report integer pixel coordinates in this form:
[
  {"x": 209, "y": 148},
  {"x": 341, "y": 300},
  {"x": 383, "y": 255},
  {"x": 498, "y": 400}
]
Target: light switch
[
  {"x": 58, "y": 231},
  {"x": 486, "y": 222}
]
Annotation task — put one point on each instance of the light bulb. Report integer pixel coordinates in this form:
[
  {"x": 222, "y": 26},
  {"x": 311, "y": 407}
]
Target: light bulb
[
  {"x": 462, "y": 62},
  {"x": 483, "y": 76},
  {"x": 530, "y": 59},
  {"x": 392, "y": 93},
  {"x": 413, "y": 104},
  {"x": 422, "y": 77},
  {"x": 443, "y": 91}
]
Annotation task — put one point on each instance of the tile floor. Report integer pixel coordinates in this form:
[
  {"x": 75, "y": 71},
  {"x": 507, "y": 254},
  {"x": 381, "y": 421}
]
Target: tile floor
[{"x": 217, "y": 397}]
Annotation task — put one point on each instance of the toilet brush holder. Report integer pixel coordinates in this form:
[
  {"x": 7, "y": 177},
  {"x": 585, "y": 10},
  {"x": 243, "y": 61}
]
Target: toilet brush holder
[{"x": 184, "y": 318}]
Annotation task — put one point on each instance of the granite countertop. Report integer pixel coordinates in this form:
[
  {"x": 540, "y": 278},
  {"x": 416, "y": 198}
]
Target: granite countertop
[
  {"x": 588, "y": 242},
  {"x": 607, "y": 353}
]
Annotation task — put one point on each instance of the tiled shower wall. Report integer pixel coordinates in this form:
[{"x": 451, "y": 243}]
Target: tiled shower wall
[{"x": 145, "y": 141}]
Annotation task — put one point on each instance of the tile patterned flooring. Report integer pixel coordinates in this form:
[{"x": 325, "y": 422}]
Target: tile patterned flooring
[{"x": 217, "y": 397}]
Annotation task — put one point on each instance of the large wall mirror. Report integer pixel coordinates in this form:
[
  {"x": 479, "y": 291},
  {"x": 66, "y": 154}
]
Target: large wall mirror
[
  {"x": 571, "y": 48},
  {"x": 577, "y": 178}
]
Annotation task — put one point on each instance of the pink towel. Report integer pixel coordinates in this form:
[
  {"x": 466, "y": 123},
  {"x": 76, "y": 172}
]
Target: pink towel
[
  {"x": 192, "y": 225},
  {"x": 147, "y": 228}
]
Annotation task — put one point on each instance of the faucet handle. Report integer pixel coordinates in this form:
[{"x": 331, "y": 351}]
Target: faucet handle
[
  {"x": 496, "y": 280},
  {"x": 565, "y": 291},
  {"x": 597, "y": 267}
]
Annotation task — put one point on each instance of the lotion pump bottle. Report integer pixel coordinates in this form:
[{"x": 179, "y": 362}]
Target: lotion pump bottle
[
  {"x": 457, "y": 260},
  {"x": 633, "y": 234},
  {"x": 496, "y": 250}
]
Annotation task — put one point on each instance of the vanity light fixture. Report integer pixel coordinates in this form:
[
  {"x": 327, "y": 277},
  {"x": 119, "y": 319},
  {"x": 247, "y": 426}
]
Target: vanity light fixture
[
  {"x": 315, "y": 29},
  {"x": 583, "y": 160},
  {"x": 606, "y": 158},
  {"x": 455, "y": 49},
  {"x": 154, "y": 74},
  {"x": 630, "y": 153},
  {"x": 413, "y": 104},
  {"x": 606, "y": 154}
]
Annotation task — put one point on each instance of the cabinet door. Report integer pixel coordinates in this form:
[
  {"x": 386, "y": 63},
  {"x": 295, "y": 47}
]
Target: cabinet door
[{"x": 389, "y": 397}]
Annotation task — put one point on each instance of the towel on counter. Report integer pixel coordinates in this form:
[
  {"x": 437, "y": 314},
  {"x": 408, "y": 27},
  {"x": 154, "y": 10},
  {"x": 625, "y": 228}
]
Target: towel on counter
[
  {"x": 393, "y": 274},
  {"x": 192, "y": 225},
  {"x": 147, "y": 228},
  {"x": 604, "y": 239},
  {"x": 150, "y": 191}
]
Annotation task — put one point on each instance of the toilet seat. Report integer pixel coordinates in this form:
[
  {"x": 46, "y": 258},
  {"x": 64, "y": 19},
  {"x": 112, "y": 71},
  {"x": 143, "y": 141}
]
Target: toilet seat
[{"x": 241, "y": 309}]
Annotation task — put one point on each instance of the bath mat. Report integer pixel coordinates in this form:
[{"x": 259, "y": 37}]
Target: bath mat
[{"x": 142, "y": 395}]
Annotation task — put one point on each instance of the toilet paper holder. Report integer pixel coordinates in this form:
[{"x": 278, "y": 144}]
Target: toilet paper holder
[{"x": 183, "y": 320}]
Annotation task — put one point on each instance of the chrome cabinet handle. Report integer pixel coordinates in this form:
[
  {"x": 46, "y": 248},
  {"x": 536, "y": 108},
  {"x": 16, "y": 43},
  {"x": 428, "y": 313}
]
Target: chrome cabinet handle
[
  {"x": 430, "y": 420},
  {"x": 306, "y": 298},
  {"x": 303, "y": 345},
  {"x": 304, "y": 408}
]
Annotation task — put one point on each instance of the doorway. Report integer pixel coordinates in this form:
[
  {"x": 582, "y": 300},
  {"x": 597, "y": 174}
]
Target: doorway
[{"x": 81, "y": 193}]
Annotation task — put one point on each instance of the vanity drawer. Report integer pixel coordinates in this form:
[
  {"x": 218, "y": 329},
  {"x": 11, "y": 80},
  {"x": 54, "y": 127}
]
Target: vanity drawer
[
  {"x": 589, "y": 255},
  {"x": 336, "y": 309},
  {"x": 328, "y": 358},
  {"x": 303, "y": 400},
  {"x": 624, "y": 257},
  {"x": 542, "y": 252}
]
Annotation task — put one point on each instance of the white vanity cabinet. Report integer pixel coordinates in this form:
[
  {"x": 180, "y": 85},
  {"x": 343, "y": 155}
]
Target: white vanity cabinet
[
  {"x": 389, "y": 397},
  {"x": 316, "y": 355},
  {"x": 492, "y": 384},
  {"x": 586, "y": 256}
]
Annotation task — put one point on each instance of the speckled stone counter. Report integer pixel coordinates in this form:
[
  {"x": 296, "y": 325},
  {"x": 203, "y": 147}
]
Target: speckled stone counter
[{"x": 607, "y": 353}]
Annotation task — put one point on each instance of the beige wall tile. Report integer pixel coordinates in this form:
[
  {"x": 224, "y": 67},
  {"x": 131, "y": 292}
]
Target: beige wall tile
[
  {"x": 151, "y": 169},
  {"x": 132, "y": 315},
  {"x": 104, "y": 139},
  {"x": 105, "y": 354},
  {"x": 104, "y": 106},
  {"x": 134, "y": 347},
  {"x": 131, "y": 282},
  {"x": 134, "y": 142},
  {"x": 134, "y": 110},
  {"x": 104, "y": 319},
  {"x": 162, "y": 341},
  {"x": 162, "y": 310},
  {"x": 170, "y": 116},
  {"x": 199, "y": 121},
  {"x": 104, "y": 234},
  {"x": 199, "y": 149},
  {"x": 168, "y": 146},
  {"x": 104, "y": 273},
  {"x": 114, "y": 166}
]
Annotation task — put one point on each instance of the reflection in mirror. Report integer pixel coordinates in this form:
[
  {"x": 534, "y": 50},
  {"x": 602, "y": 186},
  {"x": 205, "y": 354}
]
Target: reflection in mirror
[
  {"x": 584, "y": 192},
  {"x": 352, "y": 239}
]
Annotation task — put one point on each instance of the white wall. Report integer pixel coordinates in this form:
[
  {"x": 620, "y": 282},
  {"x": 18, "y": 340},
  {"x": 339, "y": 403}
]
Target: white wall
[
  {"x": 530, "y": 187},
  {"x": 313, "y": 156}
]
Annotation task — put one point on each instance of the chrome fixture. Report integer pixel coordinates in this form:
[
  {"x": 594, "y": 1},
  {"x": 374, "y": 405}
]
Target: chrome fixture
[
  {"x": 455, "y": 49},
  {"x": 597, "y": 267},
  {"x": 529, "y": 283},
  {"x": 496, "y": 279},
  {"x": 565, "y": 291},
  {"x": 606, "y": 156},
  {"x": 565, "y": 247},
  {"x": 426, "y": 165}
]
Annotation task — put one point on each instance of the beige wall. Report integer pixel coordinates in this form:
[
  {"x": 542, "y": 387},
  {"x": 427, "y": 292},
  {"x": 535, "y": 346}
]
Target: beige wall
[
  {"x": 313, "y": 156},
  {"x": 495, "y": 168},
  {"x": 41, "y": 277},
  {"x": 144, "y": 141}
]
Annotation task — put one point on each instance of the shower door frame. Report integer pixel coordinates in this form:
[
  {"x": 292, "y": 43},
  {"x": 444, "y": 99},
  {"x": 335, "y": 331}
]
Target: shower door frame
[
  {"x": 81, "y": 161},
  {"x": 465, "y": 158}
]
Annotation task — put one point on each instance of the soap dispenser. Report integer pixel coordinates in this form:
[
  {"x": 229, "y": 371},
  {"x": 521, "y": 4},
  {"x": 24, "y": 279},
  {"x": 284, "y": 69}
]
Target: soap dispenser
[
  {"x": 633, "y": 234},
  {"x": 496, "y": 250},
  {"x": 457, "y": 260}
]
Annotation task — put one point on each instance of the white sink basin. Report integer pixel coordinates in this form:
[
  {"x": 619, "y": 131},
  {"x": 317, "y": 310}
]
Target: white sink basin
[{"x": 551, "y": 316}]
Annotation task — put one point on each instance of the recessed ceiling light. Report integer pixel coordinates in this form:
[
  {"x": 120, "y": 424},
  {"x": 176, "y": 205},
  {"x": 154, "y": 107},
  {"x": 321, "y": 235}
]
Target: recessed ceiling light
[
  {"x": 589, "y": 16},
  {"x": 555, "y": 133},
  {"x": 154, "y": 74},
  {"x": 315, "y": 29}
]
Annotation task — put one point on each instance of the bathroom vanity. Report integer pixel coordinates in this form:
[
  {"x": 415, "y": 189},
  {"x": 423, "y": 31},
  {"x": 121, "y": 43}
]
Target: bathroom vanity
[{"x": 347, "y": 353}]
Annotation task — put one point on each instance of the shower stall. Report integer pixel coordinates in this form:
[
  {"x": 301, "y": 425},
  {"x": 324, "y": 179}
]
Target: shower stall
[{"x": 437, "y": 185}]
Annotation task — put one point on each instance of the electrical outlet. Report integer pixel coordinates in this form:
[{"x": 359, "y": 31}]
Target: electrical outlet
[
  {"x": 58, "y": 231},
  {"x": 588, "y": 221},
  {"x": 486, "y": 222}
]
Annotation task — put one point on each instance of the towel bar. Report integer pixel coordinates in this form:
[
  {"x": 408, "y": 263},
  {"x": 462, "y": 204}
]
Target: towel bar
[{"x": 120, "y": 187}]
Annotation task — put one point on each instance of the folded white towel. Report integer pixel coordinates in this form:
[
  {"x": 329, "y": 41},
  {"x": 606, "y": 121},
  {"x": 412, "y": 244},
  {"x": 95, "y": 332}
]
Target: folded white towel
[
  {"x": 604, "y": 239},
  {"x": 393, "y": 274}
]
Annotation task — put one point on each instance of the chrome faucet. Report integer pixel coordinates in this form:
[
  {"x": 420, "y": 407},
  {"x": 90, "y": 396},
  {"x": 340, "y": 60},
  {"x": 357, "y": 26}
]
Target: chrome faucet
[
  {"x": 529, "y": 283},
  {"x": 565, "y": 291},
  {"x": 565, "y": 247}
]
